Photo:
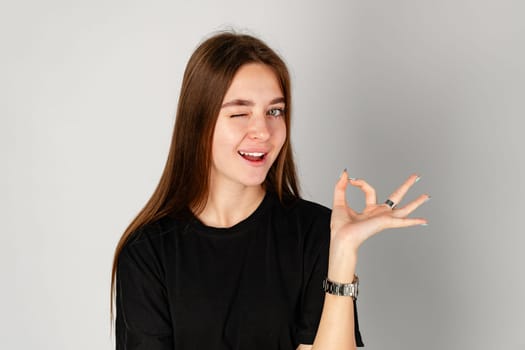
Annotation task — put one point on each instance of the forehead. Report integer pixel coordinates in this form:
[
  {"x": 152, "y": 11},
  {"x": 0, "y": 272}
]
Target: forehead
[{"x": 254, "y": 81}]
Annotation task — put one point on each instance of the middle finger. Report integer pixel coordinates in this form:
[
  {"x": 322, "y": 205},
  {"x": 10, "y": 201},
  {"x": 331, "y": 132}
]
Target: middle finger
[{"x": 397, "y": 195}]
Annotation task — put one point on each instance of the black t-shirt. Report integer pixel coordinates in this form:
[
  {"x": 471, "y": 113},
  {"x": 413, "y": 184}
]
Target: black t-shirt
[{"x": 257, "y": 285}]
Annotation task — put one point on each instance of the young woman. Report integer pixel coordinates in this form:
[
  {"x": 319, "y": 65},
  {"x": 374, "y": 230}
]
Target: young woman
[{"x": 225, "y": 254}]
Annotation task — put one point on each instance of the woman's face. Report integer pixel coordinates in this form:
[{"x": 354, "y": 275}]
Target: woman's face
[{"x": 250, "y": 129}]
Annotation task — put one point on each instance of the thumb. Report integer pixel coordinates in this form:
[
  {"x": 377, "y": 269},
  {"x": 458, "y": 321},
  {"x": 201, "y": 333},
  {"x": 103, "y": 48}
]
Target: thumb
[{"x": 340, "y": 190}]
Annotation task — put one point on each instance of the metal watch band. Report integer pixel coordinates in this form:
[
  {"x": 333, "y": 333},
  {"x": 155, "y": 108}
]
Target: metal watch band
[{"x": 342, "y": 289}]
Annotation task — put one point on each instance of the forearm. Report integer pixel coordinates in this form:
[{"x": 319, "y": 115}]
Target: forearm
[
  {"x": 349, "y": 229},
  {"x": 336, "y": 327}
]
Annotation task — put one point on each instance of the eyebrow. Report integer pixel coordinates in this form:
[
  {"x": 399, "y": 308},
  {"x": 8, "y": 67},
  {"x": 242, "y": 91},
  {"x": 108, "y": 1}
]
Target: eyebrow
[{"x": 240, "y": 102}]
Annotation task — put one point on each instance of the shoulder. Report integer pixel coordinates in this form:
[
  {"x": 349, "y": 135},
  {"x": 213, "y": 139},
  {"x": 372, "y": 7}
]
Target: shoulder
[
  {"x": 145, "y": 250},
  {"x": 150, "y": 240},
  {"x": 305, "y": 211},
  {"x": 304, "y": 219},
  {"x": 306, "y": 207},
  {"x": 153, "y": 231}
]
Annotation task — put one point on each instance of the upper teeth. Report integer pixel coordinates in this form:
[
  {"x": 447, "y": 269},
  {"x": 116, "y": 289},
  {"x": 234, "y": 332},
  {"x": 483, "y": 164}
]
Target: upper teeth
[{"x": 252, "y": 154}]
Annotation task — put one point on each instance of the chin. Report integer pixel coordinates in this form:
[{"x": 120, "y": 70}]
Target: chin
[{"x": 254, "y": 181}]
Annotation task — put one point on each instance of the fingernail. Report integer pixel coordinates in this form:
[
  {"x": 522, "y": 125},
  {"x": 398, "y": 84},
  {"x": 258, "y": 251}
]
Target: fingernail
[
  {"x": 425, "y": 224},
  {"x": 426, "y": 200},
  {"x": 417, "y": 179},
  {"x": 352, "y": 178},
  {"x": 344, "y": 171}
]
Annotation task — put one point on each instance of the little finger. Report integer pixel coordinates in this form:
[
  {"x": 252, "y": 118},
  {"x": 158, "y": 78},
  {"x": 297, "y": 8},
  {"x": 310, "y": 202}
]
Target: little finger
[{"x": 406, "y": 222}]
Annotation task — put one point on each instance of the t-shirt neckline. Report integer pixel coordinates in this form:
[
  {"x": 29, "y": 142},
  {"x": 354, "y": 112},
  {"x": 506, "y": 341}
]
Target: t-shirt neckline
[{"x": 242, "y": 226}]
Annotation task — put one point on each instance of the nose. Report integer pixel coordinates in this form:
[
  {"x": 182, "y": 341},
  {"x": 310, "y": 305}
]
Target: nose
[{"x": 259, "y": 128}]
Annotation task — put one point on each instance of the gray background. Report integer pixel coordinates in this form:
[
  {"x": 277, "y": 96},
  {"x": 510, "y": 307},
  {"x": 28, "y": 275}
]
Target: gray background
[{"x": 384, "y": 88}]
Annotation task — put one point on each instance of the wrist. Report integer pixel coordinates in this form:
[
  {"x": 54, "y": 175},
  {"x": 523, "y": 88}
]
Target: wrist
[{"x": 342, "y": 267}]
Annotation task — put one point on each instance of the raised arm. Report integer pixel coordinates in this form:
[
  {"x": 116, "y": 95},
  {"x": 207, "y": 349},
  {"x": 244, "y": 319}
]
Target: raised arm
[{"x": 349, "y": 229}]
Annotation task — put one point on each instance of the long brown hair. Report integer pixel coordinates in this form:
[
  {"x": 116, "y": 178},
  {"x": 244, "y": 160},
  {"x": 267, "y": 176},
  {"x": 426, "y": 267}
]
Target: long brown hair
[{"x": 185, "y": 179}]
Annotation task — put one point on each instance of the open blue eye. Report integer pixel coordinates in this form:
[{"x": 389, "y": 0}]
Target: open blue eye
[{"x": 276, "y": 112}]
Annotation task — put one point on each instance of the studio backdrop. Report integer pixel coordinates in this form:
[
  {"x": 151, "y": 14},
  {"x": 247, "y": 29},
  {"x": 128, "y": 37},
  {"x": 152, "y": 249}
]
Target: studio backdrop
[{"x": 382, "y": 88}]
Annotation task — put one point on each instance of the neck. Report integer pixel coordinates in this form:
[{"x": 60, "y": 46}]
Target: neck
[{"x": 226, "y": 207}]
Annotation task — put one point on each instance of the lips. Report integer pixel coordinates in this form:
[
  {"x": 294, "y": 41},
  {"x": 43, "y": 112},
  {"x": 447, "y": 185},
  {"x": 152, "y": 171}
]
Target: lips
[{"x": 252, "y": 156}]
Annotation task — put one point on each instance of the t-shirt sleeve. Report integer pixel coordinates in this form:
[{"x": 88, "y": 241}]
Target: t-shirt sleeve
[
  {"x": 313, "y": 299},
  {"x": 143, "y": 318}
]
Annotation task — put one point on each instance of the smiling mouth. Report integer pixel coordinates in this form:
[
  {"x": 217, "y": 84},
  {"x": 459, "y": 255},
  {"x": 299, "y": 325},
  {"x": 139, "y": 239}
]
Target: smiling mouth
[{"x": 252, "y": 156}]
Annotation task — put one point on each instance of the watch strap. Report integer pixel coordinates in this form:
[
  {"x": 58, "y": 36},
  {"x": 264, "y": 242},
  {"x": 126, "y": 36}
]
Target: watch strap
[{"x": 342, "y": 289}]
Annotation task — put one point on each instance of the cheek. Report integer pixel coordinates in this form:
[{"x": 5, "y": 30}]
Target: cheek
[
  {"x": 279, "y": 133},
  {"x": 224, "y": 135}
]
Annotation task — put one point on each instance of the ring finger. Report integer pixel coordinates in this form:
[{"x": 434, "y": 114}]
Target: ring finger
[{"x": 410, "y": 207}]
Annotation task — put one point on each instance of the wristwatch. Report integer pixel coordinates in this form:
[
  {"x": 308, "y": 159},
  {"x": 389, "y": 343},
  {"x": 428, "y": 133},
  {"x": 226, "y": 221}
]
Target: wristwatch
[{"x": 342, "y": 289}]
